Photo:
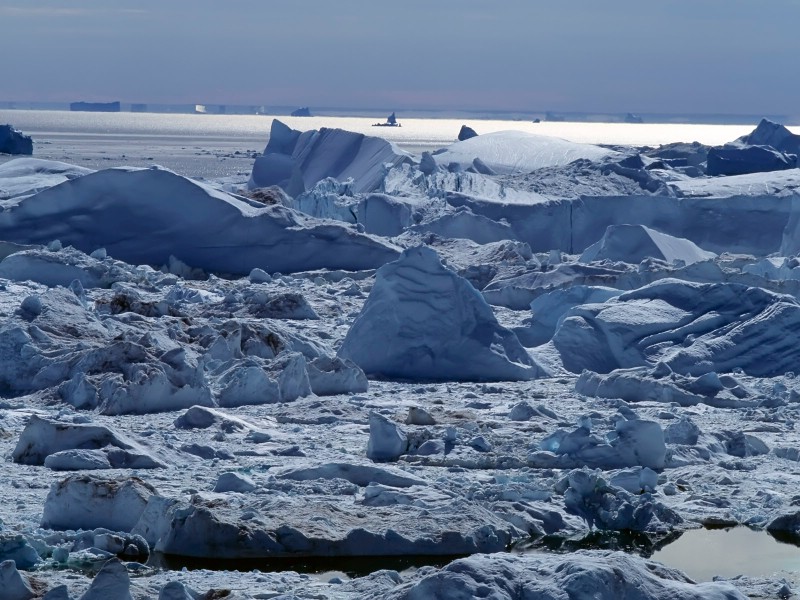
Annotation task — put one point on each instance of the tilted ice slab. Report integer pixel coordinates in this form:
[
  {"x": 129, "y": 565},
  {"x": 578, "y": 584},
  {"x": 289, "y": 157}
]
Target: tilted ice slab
[
  {"x": 517, "y": 152},
  {"x": 693, "y": 328},
  {"x": 634, "y": 243},
  {"x": 424, "y": 322},
  {"x": 296, "y": 161},
  {"x": 27, "y": 176},
  {"x": 150, "y": 215},
  {"x": 584, "y": 574}
]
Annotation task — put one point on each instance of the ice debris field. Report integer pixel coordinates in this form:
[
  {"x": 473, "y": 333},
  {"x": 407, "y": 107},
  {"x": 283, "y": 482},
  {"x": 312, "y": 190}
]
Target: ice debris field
[{"x": 506, "y": 359}]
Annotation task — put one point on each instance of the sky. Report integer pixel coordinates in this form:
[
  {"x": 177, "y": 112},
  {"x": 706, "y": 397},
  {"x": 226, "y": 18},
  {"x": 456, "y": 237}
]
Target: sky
[{"x": 605, "y": 56}]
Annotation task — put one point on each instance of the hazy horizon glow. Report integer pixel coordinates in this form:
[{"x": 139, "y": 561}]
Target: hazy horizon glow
[{"x": 716, "y": 56}]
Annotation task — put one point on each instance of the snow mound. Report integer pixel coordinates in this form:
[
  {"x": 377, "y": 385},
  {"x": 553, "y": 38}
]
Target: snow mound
[
  {"x": 360, "y": 475},
  {"x": 694, "y": 328},
  {"x": 661, "y": 384},
  {"x": 62, "y": 268},
  {"x": 297, "y": 161},
  {"x": 516, "y": 152},
  {"x": 422, "y": 321},
  {"x": 634, "y": 243},
  {"x": 153, "y": 216},
  {"x": 583, "y": 574}
]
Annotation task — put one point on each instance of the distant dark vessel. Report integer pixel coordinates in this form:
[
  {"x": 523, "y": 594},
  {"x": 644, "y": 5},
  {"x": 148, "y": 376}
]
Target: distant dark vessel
[
  {"x": 391, "y": 121},
  {"x": 632, "y": 118},
  {"x": 94, "y": 106},
  {"x": 303, "y": 111}
]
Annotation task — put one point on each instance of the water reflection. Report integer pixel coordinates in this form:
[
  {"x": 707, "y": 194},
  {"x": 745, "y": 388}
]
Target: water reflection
[
  {"x": 633, "y": 542},
  {"x": 700, "y": 553}
]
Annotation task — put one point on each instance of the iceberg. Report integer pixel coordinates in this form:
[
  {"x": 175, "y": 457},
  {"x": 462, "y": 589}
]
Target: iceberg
[
  {"x": 13, "y": 141},
  {"x": 296, "y": 161},
  {"x": 516, "y": 152},
  {"x": 149, "y": 215},
  {"x": 634, "y": 243},
  {"x": 422, "y": 321}
]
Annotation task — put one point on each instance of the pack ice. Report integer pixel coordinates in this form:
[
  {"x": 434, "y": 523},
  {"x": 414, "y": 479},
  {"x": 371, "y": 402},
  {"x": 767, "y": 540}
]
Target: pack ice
[{"x": 472, "y": 356}]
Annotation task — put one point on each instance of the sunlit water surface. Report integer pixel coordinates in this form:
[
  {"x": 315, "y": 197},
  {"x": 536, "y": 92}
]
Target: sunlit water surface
[
  {"x": 705, "y": 553},
  {"x": 413, "y": 132},
  {"x": 224, "y": 146}
]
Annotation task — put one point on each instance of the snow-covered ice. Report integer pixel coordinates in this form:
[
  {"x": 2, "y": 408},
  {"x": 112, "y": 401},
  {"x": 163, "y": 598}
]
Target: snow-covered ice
[{"x": 513, "y": 343}]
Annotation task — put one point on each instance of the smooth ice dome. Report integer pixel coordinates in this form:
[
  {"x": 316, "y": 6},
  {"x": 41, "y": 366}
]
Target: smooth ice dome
[
  {"x": 422, "y": 321},
  {"x": 516, "y": 152}
]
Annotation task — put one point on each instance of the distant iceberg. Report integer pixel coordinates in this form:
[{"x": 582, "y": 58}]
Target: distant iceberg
[{"x": 296, "y": 160}]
